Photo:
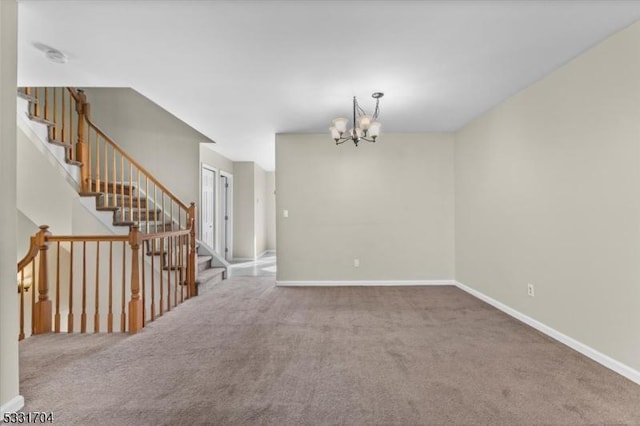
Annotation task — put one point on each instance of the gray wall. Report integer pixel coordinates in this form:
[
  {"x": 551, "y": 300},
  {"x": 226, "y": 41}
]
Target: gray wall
[
  {"x": 388, "y": 204},
  {"x": 244, "y": 246},
  {"x": 260, "y": 228},
  {"x": 162, "y": 143},
  {"x": 270, "y": 206},
  {"x": 9, "y": 379},
  {"x": 547, "y": 192}
]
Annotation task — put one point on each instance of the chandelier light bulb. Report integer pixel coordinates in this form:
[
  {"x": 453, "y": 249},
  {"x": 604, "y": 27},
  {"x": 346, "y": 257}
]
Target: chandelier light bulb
[
  {"x": 364, "y": 122},
  {"x": 340, "y": 124},
  {"x": 374, "y": 129},
  {"x": 335, "y": 134}
]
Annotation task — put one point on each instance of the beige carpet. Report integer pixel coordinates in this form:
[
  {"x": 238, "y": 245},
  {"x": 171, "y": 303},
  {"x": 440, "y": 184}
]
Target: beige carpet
[{"x": 247, "y": 352}]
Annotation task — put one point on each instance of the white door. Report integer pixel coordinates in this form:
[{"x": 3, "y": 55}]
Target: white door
[{"x": 208, "y": 220}]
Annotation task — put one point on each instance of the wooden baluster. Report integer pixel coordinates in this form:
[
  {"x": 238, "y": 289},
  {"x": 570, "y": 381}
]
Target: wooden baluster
[
  {"x": 130, "y": 191},
  {"x": 164, "y": 218},
  {"x": 55, "y": 113},
  {"x": 70, "y": 318},
  {"x": 162, "y": 262},
  {"x": 153, "y": 281},
  {"x": 143, "y": 283},
  {"x": 43, "y": 307},
  {"x": 63, "y": 134},
  {"x": 122, "y": 203},
  {"x": 146, "y": 201},
  {"x": 21, "y": 288},
  {"x": 110, "y": 313},
  {"x": 46, "y": 103},
  {"x": 138, "y": 195},
  {"x": 91, "y": 170},
  {"x": 123, "y": 315},
  {"x": 135, "y": 305},
  {"x": 83, "y": 154},
  {"x": 97, "y": 176},
  {"x": 191, "y": 267},
  {"x": 57, "y": 315},
  {"x": 180, "y": 273},
  {"x": 106, "y": 169},
  {"x": 83, "y": 315},
  {"x": 176, "y": 278},
  {"x": 72, "y": 129},
  {"x": 96, "y": 314},
  {"x": 38, "y": 100},
  {"x": 169, "y": 253},
  {"x": 34, "y": 281},
  {"x": 113, "y": 188}
]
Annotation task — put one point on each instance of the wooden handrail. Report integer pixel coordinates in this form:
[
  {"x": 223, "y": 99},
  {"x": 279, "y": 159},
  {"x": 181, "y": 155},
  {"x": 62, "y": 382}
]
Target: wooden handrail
[
  {"x": 31, "y": 254},
  {"x": 92, "y": 238},
  {"x": 135, "y": 163}
]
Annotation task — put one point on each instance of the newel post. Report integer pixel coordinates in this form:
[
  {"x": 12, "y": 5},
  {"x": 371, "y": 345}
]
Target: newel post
[
  {"x": 135, "y": 304},
  {"x": 191, "y": 275},
  {"x": 82, "y": 149},
  {"x": 42, "y": 308}
]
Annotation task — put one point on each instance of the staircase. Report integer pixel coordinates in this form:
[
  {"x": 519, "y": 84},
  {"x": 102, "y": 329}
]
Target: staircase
[{"x": 158, "y": 222}]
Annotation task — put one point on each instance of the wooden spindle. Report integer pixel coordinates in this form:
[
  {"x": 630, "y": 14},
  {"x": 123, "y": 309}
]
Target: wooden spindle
[
  {"x": 131, "y": 191},
  {"x": 139, "y": 215},
  {"x": 33, "y": 296},
  {"x": 98, "y": 175},
  {"x": 106, "y": 170},
  {"x": 135, "y": 304},
  {"x": 42, "y": 308},
  {"x": 179, "y": 266},
  {"x": 63, "y": 134},
  {"x": 113, "y": 188},
  {"x": 162, "y": 261},
  {"x": 153, "y": 282},
  {"x": 146, "y": 202},
  {"x": 83, "y": 315},
  {"x": 21, "y": 288},
  {"x": 46, "y": 103},
  {"x": 57, "y": 315},
  {"x": 191, "y": 267},
  {"x": 176, "y": 278},
  {"x": 143, "y": 283},
  {"x": 110, "y": 312},
  {"x": 123, "y": 315},
  {"x": 70, "y": 318},
  {"x": 96, "y": 314},
  {"x": 37, "y": 105},
  {"x": 122, "y": 203},
  {"x": 169, "y": 254},
  {"x": 55, "y": 113}
]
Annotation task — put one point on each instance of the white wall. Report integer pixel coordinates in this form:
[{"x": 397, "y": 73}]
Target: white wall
[
  {"x": 547, "y": 192},
  {"x": 9, "y": 378},
  {"x": 165, "y": 145},
  {"x": 270, "y": 207},
  {"x": 388, "y": 204}
]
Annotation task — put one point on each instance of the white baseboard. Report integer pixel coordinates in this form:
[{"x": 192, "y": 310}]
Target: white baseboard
[
  {"x": 599, "y": 357},
  {"x": 13, "y": 405},
  {"x": 346, "y": 283}
]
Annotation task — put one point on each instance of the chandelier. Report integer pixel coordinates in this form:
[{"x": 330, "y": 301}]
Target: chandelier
[{"x": 365, "y": 127}]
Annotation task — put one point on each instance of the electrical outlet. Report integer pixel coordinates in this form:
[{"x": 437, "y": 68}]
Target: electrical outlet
[
  {"x": 356, "y": 263},
  {"x": 531, "y": 291}
]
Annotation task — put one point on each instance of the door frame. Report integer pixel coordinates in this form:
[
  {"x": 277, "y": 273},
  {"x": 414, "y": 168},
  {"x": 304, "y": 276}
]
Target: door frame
[
  {"x": 229, "y": 204},
  {"x": 216, "y": 174}
]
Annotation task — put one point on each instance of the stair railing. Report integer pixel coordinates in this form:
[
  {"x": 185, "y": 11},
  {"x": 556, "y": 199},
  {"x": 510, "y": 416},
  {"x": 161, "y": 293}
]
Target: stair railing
[{"x": 101, "y": 283}]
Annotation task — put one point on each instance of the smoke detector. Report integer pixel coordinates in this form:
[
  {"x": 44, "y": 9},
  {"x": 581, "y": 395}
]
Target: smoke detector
[{"x": 54, "y": 55}]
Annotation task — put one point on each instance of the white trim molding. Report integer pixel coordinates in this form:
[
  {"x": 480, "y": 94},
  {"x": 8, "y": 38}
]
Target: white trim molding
[
  {"x": 599, "y": 357},
  {"x": 347, "y": 283},
  {"x": 13, "y": 405}
]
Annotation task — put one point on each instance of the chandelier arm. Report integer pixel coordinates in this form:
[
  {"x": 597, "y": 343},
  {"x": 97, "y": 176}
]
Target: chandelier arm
[{"x": 368, "y": 140}]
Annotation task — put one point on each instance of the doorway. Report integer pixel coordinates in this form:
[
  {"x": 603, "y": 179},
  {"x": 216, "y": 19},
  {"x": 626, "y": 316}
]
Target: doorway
[
  {"x": 226, "y": 215},
  {"x": 208, "y": 213}
]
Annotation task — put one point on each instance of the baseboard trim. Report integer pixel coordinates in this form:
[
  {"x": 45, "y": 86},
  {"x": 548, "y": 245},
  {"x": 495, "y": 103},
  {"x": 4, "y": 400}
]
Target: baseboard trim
[
  {"x": 372, "y": 283},
  {"x": 589, "y": 352},
  {"x": 13, "y": 405}
]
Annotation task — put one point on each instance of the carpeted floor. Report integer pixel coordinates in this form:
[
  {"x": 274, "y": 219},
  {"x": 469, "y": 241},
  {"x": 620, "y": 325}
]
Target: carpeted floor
[{"x": 246, "y": 352}]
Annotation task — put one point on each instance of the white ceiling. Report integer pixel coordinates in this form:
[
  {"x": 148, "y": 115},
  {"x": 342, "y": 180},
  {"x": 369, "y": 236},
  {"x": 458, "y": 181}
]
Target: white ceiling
[{"x": 242, "y": 71}]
